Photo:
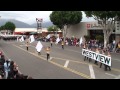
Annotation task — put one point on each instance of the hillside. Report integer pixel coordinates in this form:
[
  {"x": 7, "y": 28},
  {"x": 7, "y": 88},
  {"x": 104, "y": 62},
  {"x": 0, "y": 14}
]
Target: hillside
[{"x": 18, "y": 24}]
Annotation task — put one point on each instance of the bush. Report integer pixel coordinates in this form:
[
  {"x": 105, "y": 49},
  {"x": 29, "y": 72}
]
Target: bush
[
  {"x": 87, "y": 37},
  {"x": 100, "y": 38}
]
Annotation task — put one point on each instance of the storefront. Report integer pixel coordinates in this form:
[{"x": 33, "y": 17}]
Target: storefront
[{"x": 29, "y": 31}]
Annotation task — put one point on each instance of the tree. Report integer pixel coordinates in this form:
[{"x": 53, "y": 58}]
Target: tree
[
  {"x": 87, "y": 38},
  {"x": 100, "y": 38},
  {"x": 64, "y": 19},
  {"x": 2, "y": 27},
  {"x": 107, "y": 21},
  {"x": 52, "y": 28},
  {"x": 10, "y": 26}
]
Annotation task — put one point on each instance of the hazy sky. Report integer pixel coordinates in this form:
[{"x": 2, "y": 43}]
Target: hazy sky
[{"x": 30, "y": 16}]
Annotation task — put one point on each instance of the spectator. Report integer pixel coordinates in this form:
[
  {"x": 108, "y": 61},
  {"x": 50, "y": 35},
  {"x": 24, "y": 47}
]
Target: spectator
[
  {"x": 2, "y": 60},
  {"x": 7, "y": 68},
  {"x": 0, "y": 77}
]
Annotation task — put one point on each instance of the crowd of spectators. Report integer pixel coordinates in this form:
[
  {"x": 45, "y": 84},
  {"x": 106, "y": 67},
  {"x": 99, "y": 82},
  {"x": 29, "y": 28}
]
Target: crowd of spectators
[{"x": 9, "y": 69}]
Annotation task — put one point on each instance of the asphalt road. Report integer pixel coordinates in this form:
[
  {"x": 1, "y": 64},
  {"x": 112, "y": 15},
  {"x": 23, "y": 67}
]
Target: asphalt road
[
  {"x": 64, "y": 64},
  {"x": 29, "y": 64}
]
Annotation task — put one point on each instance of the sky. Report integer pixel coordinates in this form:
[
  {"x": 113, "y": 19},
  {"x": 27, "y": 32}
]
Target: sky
[{"x": 29, "y": 17}]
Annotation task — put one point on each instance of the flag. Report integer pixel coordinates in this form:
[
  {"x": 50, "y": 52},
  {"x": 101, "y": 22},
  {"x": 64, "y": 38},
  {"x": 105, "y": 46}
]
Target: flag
[
  {"x": 57, "y": 40},
  {"x": 48, "y": 36},
  {"x": 22, "y": 39},
  {"x": 39, "y": 46},
  {"x": 81, "y": 40},
  {"x": 32, "y": 39}
]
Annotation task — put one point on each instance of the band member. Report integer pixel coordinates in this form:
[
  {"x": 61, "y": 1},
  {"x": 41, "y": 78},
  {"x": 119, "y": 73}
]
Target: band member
[
  {"x": 90, "y": 58},
  {"x": 103, "y": 52},
  {"x": 51, "y": 41},
  {"x": 84, "y": 47},
  {"x": 106, "y": 66},
  {"x": 27, "y": 45},
  {"x": 48, "y": 53},
  {"x": 62, "y": 43},
  {"x": 97, "y": 51}
]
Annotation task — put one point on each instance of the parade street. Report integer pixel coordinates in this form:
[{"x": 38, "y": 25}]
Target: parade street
[{"x": 63, "y": 64}]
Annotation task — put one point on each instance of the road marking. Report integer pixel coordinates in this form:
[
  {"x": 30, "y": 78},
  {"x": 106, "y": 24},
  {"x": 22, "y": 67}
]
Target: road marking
[
  {"x": 116, "y": 59},
  {"x": 71, "y": 70},
  {"x": 70, "y": 50},
  {"x": 22, "y": 45},
  {"x": 50, "y": 58},
  {"x": 118, "y": 77},
  {"x": 114, "y": 69},
  {"x": 66, "y": 63},
  {"x": 68, "y": 69},
  {"x": 92, "y": 74},
  {"x": 110, "y": 74},
  {"x": 77, "y": 52}
]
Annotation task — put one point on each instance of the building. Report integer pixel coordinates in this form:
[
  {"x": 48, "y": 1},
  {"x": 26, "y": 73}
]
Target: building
[
  {"x": 27, "y": 31},
  {"x": 92, "y": 29}
]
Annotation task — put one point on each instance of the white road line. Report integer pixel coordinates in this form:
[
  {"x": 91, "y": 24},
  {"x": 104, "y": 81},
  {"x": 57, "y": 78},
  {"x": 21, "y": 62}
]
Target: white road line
[
  {"x": 118, "y": 77},
  {"x": 116, "y": 60},
  {"x": 22, "y": 45},
  {"x": 77, "y": 52},
  {"x": 92, "y": 74},
  {"x": 66, "y": 63},
  {"x": 111, "y": 74},
  {"x": 70, "y": 50},
  {"x": 50, "y": 58}
]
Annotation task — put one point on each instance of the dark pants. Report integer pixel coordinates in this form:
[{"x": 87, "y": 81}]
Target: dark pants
[
  {"x": 96, "y": 63},
  {"x": 48, "y": 56},
  {"x": 27, "y": 48},
  {"x": 39, "y": 53},
  {"x": 62, "y": 46},
  {"x": 100, "y": 65},
  {"x": 90, "y": 59},
  {"x": 51, "y": 44},
  {"x": 106, "y": 66},
  {"x": 85, "y": 58}
]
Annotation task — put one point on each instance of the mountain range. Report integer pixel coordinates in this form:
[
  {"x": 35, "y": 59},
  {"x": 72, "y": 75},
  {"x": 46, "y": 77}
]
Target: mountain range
[{"x": 20, "y": 24}]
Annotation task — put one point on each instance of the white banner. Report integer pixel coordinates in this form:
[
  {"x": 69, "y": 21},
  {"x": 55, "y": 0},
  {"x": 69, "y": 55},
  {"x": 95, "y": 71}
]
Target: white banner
[
  {"x": 96, "y": 56},
  {"x": 39, "y": 46},
  {"x": 32, "y": 39}
]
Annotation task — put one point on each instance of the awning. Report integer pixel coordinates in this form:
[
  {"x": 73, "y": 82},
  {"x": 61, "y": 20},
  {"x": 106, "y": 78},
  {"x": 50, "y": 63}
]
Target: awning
[{"x": 33, "y": 33}]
